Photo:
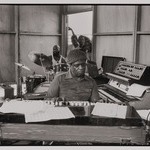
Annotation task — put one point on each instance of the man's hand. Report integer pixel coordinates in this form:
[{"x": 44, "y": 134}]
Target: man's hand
[{"x": 56, "y": 99}]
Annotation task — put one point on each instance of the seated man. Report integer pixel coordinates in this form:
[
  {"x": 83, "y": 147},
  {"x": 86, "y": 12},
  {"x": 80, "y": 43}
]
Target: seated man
[
  {"x": 57, "y": 57},
  {"x": 48, "y": 62},
  {"x": 58, "y": 61},
  {"x": 74, "y": 85}
]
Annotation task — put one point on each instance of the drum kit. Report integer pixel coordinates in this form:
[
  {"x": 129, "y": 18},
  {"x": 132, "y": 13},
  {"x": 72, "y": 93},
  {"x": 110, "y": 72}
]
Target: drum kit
[{"x": 34, "y": 83}]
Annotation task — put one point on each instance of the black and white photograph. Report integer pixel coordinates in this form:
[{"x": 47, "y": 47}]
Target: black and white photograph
[{"x": 74, "y": 75}]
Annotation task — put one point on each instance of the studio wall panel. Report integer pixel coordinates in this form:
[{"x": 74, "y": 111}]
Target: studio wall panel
[
  {"x": 119, "y": 46},
  {"x": 144, "y": 53},
  {"x": 7, "y": 18},
  {"x": 40, "y": 18},
  {"x": 42, "y": 23},
  {"x": 115, "y": 18},
  {"x": 7, "y": 58},
  {"x": 145, "y": 18},
  {"x": 7, "y": 43},
  {"x": 78, "y": 8}
]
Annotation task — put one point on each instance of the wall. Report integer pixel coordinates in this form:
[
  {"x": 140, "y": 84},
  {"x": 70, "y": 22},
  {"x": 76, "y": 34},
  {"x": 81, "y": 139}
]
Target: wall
[
  {"x": 39, "y": 31},
  {"x": 71, "y": 9},
  {"x": 144, "y": 35},
  {"x": 7, "y": 43},
  {"x": 25, "y": 28},
  {"x": 114, "y": 32}
]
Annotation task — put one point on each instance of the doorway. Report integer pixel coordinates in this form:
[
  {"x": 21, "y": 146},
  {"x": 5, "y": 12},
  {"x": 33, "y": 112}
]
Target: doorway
[{"x": 81, "y": 24}]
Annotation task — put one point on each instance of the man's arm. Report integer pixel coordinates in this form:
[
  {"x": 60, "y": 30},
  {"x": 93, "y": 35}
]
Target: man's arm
[
  {"x": 53, "y": 90},
  {"x": 94, "y": 96}
]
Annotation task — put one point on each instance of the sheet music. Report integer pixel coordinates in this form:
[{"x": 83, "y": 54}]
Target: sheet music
[
  {"x": 36, "y": 111},
  {"x": 121, "y": 111},
  {"x": 144, "y": 114},
  {"x": 51, "y": 112},
  {"x": 136, "y": 90},
  {"x": 110, "y": 110},
  {"x": 23, "y": 107},
  {"x": 2, "y": 92}
]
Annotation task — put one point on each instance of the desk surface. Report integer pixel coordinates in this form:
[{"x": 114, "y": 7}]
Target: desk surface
[
  {"x": 66, "y": 133},
  {"x": 81, "y": 129}
]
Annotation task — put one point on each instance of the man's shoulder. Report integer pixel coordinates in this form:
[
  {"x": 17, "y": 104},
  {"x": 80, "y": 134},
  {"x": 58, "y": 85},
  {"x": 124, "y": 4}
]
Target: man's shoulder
[
  {"x": 89, "y": 77},
  {"x": 61, "y": 75}
]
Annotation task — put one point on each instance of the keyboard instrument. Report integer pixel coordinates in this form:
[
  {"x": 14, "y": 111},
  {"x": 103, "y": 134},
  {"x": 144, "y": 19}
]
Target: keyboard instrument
[
  {"x": 109, "y": 121},
  {"x": 128, "y": 84}
]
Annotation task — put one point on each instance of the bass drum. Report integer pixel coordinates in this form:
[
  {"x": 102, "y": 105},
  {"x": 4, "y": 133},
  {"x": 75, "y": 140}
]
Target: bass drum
[
  {"x": 43, "y": 87},
  {"x": 33, "y": 81}
]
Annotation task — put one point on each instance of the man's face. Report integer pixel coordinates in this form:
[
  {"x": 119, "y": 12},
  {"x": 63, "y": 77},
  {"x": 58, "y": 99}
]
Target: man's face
[
  {"x": 78, "y": 68},
  {"x": 56, "y": 51}
]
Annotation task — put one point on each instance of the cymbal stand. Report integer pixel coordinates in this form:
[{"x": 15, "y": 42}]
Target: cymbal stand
[
  {"x": 19, "y": 89},
  {"x": 20, "y": 85}
]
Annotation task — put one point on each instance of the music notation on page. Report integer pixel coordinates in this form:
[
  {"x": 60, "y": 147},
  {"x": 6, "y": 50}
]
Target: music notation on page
[{"x": 36, "y": 111}]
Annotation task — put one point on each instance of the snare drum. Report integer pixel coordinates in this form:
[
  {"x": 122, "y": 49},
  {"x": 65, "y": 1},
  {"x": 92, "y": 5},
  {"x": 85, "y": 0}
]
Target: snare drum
[
  {"x": 33, "y": 81},
  {"x": 60, "y": 67}
]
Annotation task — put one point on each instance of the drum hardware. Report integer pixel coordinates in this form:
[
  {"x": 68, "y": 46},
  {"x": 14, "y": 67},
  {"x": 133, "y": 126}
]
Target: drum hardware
[
  {"x": 40, "y": 59},
  {"x": 46, "y": 63},
  {"x": 22, "y": 66},
  {"x": 60, "y": 67},
  {"x": 20, "y": 78},
  {"x": 33, "y": 81},
  {"x": 50, "y": 75}
]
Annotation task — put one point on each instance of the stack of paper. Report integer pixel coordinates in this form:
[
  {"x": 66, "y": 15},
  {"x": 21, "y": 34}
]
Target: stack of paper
[
  {"x": 110, "y": 110},
  {"x": 2, "y": 92},
  {"x": 36, "y": 111},
  {"x": 22, "y": 107},
  {"x": 144, "y": 114},
  {"x": 50, "y": 113},
  {"x": 136, "y": 90}
]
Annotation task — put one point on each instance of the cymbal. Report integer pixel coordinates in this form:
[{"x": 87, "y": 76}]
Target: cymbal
[
  {"x": 40, "y": 59},
  {"x": 23, "y": 66}
]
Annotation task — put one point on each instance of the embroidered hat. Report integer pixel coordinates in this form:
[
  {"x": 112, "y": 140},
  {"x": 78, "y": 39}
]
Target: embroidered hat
[{"x": 75, "y": 55}]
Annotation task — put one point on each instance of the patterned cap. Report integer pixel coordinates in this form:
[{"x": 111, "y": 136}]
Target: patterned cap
[{"x": 75, "y": 55}]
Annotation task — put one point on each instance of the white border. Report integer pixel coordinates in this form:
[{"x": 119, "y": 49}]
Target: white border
[{"x": 74, "y": 1}]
